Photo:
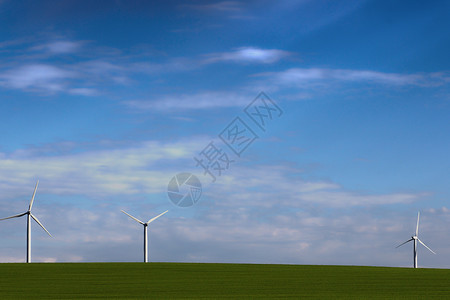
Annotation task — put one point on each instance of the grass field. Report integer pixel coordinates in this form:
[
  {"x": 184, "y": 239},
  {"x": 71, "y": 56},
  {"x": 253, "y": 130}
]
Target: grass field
[{"x": 210, "y": 281}]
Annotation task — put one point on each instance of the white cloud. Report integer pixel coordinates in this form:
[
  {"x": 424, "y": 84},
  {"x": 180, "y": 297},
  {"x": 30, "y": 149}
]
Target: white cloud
[
  {"x": 99, "y": 67},
  {"x": 89, "y": 71},
  {"x": 229, "y": 9},
  {"x": 93, "y": 70},
  {"x": 248, "y": 55},
  {"x": 60, "y": 47},
  {"x": 97, "y": 172},
  {"x": 204, "y": 100},
  {"x": 83, "y": 91},
  {"x": 345, "y": 199},
  {"x": 222, "y": 6},
  {"x": 36, "y": 76},
  {"x": 176, "y": 64},
  {"x": 64, "y": 78},
  {"x": 298, "y": 76},
  {"x": 228, "y": 234},
  {"x": 263, "y": 214},
  {"x": 269, "y": 186},
  {"x": 147, "y": 167}
]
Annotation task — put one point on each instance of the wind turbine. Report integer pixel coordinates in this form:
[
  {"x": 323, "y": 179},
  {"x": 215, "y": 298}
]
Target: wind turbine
[
  {"x": 145, "y": 230},
  {"x": 29, "y": 216},
  {"x": 416, "y": 239}
]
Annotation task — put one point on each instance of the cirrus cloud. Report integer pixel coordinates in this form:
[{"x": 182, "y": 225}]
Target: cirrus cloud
[
  {"x": 295, "y": 76},
  {"x": 248, "y": 55},
  {"x": 36, "y": 76}
]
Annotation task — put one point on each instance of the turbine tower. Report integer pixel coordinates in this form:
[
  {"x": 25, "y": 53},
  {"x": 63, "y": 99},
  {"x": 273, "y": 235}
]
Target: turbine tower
[
  {"x": 415, "y": 239},
  {"x": 29, "y": 216},
  {"x": 145, "y": 231}
]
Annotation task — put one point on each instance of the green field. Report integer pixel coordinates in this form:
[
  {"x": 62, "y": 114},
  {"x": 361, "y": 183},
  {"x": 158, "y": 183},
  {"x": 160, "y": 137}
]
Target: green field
[{"x": 210, "y": 281}]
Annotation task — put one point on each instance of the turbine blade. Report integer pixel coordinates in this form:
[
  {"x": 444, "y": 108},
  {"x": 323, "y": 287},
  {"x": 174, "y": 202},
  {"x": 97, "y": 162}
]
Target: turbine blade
[
  {"x": 426, "y": 246},
  {"x": 153, "y": 219},
  {"x": 405, "y": 242},
  {"x": 34, "y": 194},
  {"x": 417, "y": 226},
  {"x": 37, "y": 221},
  {"x": 16, "y": 216},
  {"x": 133, "y": 217}
]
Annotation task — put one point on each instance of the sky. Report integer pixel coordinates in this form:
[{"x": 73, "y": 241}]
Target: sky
[{"x": 317, "y": 130}]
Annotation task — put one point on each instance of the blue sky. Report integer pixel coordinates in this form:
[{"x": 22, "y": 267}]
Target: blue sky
[{"x": 104, "y": 102}]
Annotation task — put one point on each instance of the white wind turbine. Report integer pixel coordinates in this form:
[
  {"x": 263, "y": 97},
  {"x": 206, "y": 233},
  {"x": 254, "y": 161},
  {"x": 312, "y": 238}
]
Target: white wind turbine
[
  {"x": 29, "y": 216},
  {"x": 145, "y": 230},
  {"x": 416, "y": 239}
]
